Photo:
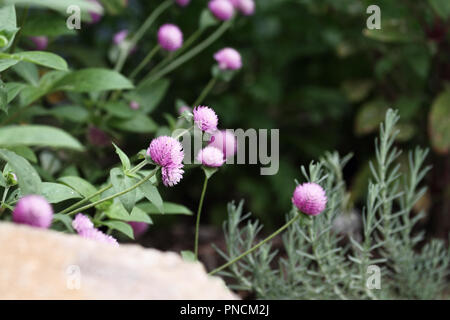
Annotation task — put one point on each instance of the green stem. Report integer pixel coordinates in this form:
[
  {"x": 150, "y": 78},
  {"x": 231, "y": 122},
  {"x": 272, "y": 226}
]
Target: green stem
[
  {"x": 118, "y": 194},
  {"x": 99, "y": 192},
  {"x": 5, "y": 193},
  {"x": 140, "y": 33},
  {"x": 257, "y": 246},
  {"x": 205, "y": 91},
  {"x": 199, "y": 211},
  {"x": 144, "y": 62},
  {"x": 192, "y": 53}
]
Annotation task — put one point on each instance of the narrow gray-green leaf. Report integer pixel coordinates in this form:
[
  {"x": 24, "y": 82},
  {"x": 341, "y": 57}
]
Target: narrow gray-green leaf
[
  {"x": 93, "y": 80},
  {"x": 152, "y": 195},
  {"x": 55, "y": 192}
]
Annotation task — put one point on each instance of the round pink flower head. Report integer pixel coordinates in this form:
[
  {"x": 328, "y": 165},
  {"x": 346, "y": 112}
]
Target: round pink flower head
[
  {"x": 205, "y": 118},
  {"x": 95, "y": 17},
  {"x": 97, "y": 235},
  {"x": 310, "y": 198},
  {"x": 211, "y": 157},
  {"x": 170, "y": 37},
  {"x": 134, "y": 105},
  {"x": 120, "y": 37},
  {"x": 166, "y": 151},
  {"x": 246, "y": 7},
  {"x": 139, "y": 228},
  {"x": 81, "y": 222},
  {"x": 172, "y": 175},
  {"x": 182, "y": 3},
  {"x": 40, "y": 43},
  {"x": 221, "y": 9},
  {"x": 226, "y": 141},
  {"x": 33, "y": 210},
  {"x": 228, "y": 59}
]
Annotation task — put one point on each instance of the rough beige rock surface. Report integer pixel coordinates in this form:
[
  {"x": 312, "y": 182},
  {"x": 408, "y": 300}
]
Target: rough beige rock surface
[{"x": 42, "y": 264}]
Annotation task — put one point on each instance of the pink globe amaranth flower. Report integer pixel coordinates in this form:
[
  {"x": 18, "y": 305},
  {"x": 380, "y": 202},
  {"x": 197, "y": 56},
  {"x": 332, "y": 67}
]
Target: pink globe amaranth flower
[
  {"x": 170, "y": 37},
  {"x": 246, "y": 7},
  {"x": 221, "y": 9},
  {"x": 166, "y": 152},
  {"x": 205, "y": 118},
  {"x": 172, "y": 175},
  {"x": 182, "y": 3},
  {"x": 139, "y": 228},
  {"x": 95, "y": 17},
  {"x": 97, "y": 235},
  {"x": 33, "y": 210},
  {"x": 120, "y": 37},
  {"x": 134, "y": 105},
  {"x": 211, "y": 157},
  {"x": 40, "y": 42},
  {"x": 81, "y": 222},
  {"x": 228, "y": 59},
  {"x": 98, "y": 137},
  {"x": 310, "y": 198},
  {"x": 226, "y": 141}
]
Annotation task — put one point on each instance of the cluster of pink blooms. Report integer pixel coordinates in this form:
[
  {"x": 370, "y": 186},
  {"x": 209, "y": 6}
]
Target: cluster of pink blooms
[
  {"x": 224, "y": 9},
  {"x": 33, "y": 210},
  {"x": 167, "y": 152},
  {"x": 310, "y": 198},
  {"x": 85, "y": 228}
]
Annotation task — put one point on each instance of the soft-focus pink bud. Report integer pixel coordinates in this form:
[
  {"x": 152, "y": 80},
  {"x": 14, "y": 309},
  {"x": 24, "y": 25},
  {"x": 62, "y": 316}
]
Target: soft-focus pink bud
[
  {"x": 139, "y": 228},
  {"x": 120, "y": 37},
  {"x": 170, "y": 37},
  {"x": 33, "y": 210},
  {"x": 226, "y": 141},
  {"x": 310, "y": 198},
  {"x": 134, "y": 105},
  {"x": 95, "y": 17},
  {"x": 98, "y": 137},
  {"x": 182, "y": 3},
  {"x": 40, "y": 43},
  {"x": 246, "y": 7},
  {"x": 228, "y": 59},
  {"x": 221, "y": 9},
  {"x": 211, "y": 157}
]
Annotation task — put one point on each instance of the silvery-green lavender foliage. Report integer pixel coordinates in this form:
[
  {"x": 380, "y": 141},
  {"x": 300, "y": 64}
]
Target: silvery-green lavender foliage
[{"x": 321, "y": 263}]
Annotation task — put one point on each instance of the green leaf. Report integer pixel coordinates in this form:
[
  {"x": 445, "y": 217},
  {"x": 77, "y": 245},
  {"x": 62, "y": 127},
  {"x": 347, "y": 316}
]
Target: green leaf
[
  {"x": 59, "y": 5},
  {"x": 3, "y": 98},
  {"x": 8, "y": 27},
  {"x": 207, "y": 19},
  {"x": 123, "y": 158},
  {"x": 37, "y": 135},
  {"x": 13, "y": 89},
  {"x": 120, "y": 182},
  {"x": 76, "y": 114},
  {"x": 123, "y": 227},
  {"x": 152, "y": 194},
  {"x": 119, "y": 109},
  {"x": 7, "y": 63},
  {"x": 28, "y": 71},
  {"x": 209, "y": 171},
  {"x": 80, "y": 185},
  {"x": 29, "y": 180},
  {"x": 46, "y": 24},
  {"x": 149, "y": 94},
  {"x": 64, "y": 219},
  {"x": 169, "y": 208},
  {"x": 25, "y": 152},
  {"x": 55, "y": 192},
  {"x": 441, "y": 7},
  {"x": 439, "y": 123},
  {"x": 43, "y": 58},
  {"x": 188, "y": 256},
  {"x": 118, "y": 212},
  {"x": 93, "y": 80},
  {"x": 140, "y": 123}
]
